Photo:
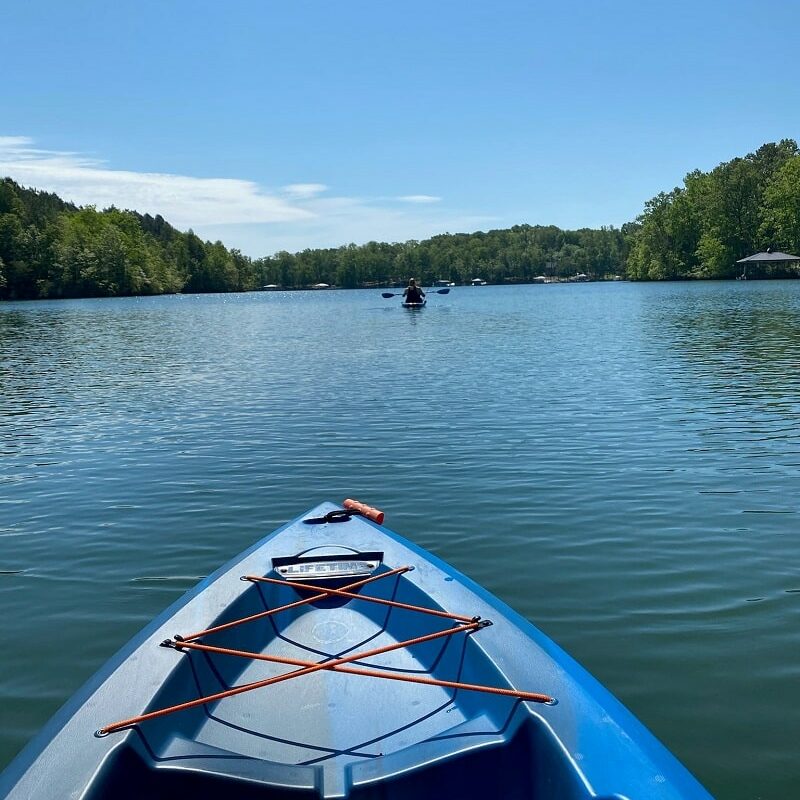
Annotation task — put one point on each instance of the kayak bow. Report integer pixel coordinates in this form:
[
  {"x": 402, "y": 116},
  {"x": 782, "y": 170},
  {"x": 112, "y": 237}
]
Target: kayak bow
[{"x": 335, "y": 659}]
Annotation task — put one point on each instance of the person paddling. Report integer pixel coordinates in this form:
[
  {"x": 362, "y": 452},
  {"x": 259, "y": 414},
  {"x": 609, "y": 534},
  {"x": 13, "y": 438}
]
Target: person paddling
[{"x": 412, "y": 293}]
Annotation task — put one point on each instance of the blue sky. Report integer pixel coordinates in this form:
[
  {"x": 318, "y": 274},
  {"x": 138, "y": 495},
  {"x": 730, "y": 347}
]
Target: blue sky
[{"x": 275, "y": 125}]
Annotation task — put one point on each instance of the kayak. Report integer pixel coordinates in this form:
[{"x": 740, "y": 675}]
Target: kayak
[
  {"x": 419, "y": 305},
  {"x": 335, "y": 659}
]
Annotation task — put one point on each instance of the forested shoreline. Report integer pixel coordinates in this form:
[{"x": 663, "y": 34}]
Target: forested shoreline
[
  {"x": 50, "y": 248},
  {"x": 700, "y": 230}
]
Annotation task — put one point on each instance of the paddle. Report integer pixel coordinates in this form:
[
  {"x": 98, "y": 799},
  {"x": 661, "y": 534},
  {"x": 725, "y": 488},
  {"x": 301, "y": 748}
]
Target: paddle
[{"x": 400, "y": 294}]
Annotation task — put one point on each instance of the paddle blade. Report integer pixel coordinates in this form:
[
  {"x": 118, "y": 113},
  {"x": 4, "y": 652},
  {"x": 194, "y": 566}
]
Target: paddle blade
[
  {"x": 442, "y": 291},
  {"x": 387, "y": 294}
]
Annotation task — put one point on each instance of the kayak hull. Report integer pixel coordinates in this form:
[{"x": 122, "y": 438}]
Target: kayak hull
[
  {"x": 331, "y": 734},
  {"x": 414, "y": 306}
]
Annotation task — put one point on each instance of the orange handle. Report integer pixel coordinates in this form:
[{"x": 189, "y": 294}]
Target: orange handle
[{"x": 375, "y": 514}]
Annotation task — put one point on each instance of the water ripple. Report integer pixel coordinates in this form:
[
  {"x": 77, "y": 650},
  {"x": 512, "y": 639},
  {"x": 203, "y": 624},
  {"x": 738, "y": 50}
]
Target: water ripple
[{"x": 619, "y": 462}]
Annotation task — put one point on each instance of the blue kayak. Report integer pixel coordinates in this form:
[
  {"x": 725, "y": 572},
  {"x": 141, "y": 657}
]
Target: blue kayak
[{"x": 335, "y": 659}]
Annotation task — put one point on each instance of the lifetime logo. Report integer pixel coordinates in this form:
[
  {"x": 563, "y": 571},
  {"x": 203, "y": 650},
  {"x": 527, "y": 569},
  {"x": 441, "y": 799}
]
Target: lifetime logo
[{"x": 326, "y": 568}]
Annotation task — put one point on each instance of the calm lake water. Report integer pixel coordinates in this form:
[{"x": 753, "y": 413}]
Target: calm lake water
[{"x": 619, "y": 462}]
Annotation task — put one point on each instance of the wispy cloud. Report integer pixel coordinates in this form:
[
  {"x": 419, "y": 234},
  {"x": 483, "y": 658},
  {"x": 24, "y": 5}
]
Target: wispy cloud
[
  {"x": 185, "y": 201},
  {"x": 239, "y": 212},
  {"x": 420, "y": 198},
  {"x": 303, "y": 191}
]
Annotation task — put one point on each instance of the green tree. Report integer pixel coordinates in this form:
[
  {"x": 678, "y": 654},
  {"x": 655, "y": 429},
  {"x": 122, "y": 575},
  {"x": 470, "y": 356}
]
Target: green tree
[{"x": 781, "y": 211}]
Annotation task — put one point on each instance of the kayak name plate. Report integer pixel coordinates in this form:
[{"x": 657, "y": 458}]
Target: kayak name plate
[{"x": 320, "y": 568}]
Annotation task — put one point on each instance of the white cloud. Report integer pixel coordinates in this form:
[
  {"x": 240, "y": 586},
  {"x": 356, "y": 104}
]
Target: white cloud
[
  {"x": 183, "y": 200},
  {"x": 342, "y": 220},
  {"x": 20, "y": 143},
  {"x": 239, "y": 212},
  {"x": 420, "y": 198},
  {"x": 303, "y": 191}
]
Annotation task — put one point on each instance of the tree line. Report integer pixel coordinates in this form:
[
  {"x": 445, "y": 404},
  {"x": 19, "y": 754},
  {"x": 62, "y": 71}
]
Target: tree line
[
  {"x": 517, "y": 254},
  {"x": 700, "y": 229},
  {"x": 51, "y": 248}
]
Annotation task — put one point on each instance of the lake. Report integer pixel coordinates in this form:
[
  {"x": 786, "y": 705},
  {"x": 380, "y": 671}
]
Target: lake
[{"x": 619, "y": 462}]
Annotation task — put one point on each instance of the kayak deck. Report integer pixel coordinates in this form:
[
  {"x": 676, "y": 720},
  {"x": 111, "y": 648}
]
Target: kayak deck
[
  {"x": 331, "y": 724},
  {"x": 330, "y": 733}
]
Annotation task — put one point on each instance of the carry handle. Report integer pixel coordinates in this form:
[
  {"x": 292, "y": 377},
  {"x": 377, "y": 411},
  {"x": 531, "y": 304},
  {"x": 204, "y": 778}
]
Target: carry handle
[{"x": 375, "y": 514}]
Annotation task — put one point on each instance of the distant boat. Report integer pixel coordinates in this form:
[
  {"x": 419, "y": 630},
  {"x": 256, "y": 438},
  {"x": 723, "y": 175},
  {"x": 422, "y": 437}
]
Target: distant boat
[
  {"x": 443, "y": 283},
  {"x": 270, "y": 287},
  {"x": 478, "y": 282},
  {"x": 321, "y": 286}
]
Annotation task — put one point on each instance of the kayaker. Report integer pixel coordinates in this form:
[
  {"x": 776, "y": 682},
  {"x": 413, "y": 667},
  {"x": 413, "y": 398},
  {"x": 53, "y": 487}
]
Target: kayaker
[{"x": 413, "y": 293}]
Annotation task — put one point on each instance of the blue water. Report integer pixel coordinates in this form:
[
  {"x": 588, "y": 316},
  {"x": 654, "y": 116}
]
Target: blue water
[{"x": 619, "y": 462}]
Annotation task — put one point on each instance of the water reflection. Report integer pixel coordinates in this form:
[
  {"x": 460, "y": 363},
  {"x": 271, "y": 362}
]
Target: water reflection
[{"x": 747, "y": 338}]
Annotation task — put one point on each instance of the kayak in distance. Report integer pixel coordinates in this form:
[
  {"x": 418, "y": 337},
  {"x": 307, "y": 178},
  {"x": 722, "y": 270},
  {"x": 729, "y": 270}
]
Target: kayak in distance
[
  {"x": 415, "y": 305},
  {"x": 335, "y": 659}
]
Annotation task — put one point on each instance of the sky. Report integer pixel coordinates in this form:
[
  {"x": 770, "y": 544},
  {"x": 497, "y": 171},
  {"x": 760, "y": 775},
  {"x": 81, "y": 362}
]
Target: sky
[{"x": 288, "y": 125}]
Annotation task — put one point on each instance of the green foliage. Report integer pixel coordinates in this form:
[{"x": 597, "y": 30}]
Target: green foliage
[
  {"x": 50, "y": 248},
  {"x": 701, "y": 229},
  {"x": 781, "y": 209},
  {"x": 515, "y": 255}
]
